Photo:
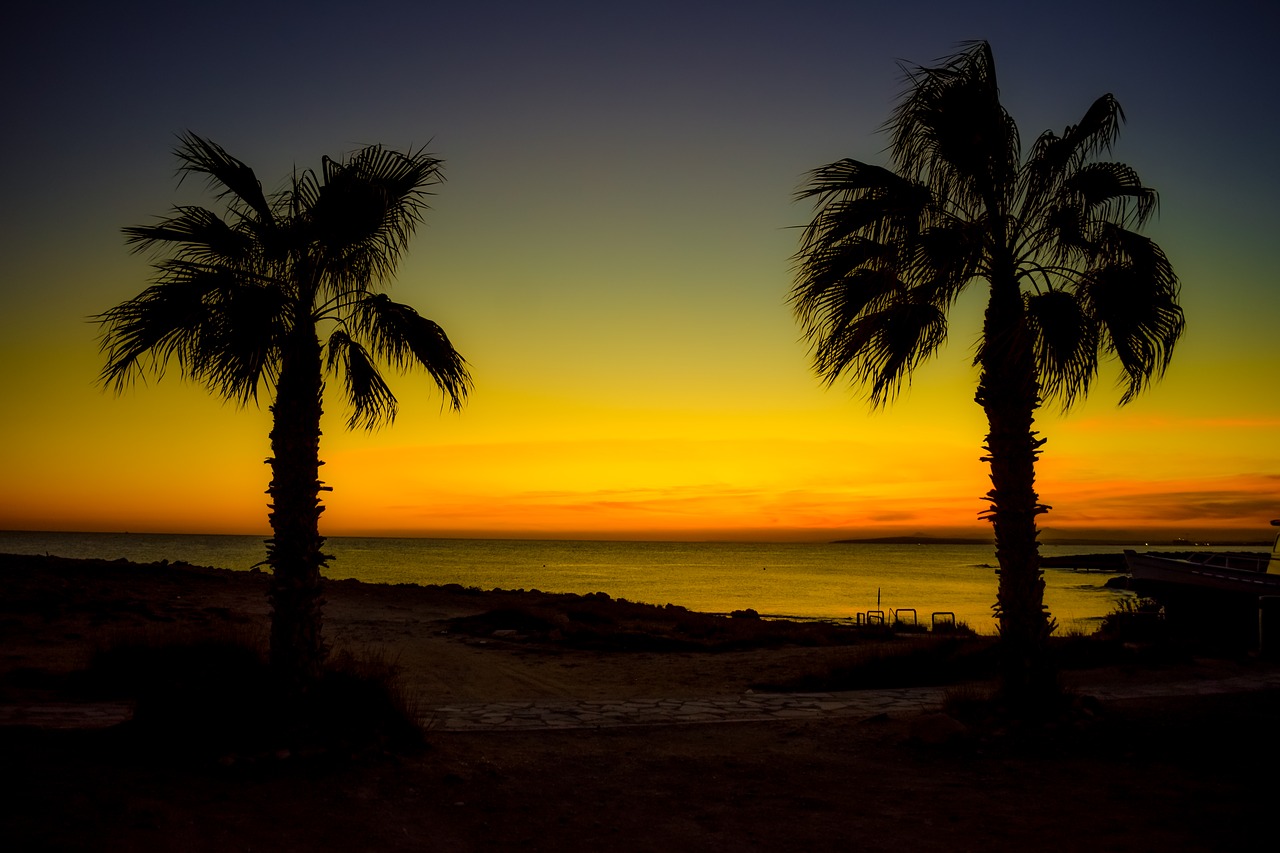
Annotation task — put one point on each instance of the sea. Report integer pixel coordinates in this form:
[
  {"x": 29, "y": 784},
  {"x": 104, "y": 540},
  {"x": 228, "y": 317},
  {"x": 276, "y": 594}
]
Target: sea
[{"x": 842, "y": 581}]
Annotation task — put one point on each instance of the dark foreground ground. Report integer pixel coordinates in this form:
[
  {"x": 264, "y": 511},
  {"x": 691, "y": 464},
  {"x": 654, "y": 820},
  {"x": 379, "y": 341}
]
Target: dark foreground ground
[{"x": 1164, "y": 775}]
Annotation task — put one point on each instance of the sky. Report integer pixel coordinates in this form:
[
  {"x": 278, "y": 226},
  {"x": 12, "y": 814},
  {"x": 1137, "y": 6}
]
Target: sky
[{"x": 611, "y": 252}]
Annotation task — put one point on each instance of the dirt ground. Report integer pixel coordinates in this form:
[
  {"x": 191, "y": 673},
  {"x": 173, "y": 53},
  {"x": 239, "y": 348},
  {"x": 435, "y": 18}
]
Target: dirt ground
[{"x": 1186, "y": 774}]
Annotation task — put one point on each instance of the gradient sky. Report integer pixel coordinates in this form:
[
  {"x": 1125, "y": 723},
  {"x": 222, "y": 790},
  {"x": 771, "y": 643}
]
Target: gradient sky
[{"x": 611, "y": 252}]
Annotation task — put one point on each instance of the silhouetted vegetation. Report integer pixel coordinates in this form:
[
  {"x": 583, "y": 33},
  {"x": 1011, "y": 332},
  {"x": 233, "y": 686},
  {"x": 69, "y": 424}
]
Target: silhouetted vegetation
[
  {"x": 240, "y": 298},
  {"x": 917, "y": 662},
  {"x": 1053, "y": 234},
  {"x": 211, "y": 697},
  {"x": 600, "y": 623}
]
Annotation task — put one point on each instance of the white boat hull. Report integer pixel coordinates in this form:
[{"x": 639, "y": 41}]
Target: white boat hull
[{"x": 1211, "y": 574}]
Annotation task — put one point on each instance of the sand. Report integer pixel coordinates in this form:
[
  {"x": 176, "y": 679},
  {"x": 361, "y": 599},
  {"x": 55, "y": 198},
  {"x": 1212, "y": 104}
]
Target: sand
[{"x": 1171, "y": 774}]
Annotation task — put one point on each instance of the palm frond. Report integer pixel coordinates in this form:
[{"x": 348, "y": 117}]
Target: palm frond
[
  {"x": 863, "y": 320},
  {"x": 220, "y": 330},
  {"x": 226, "y": 175},
  {"x": 867, "y": 259},
  {"x": 829, "y": 300},
  {"x": 230, "y": 288},
  {"x": 1095, "y": 134},
  {"x": 1110, "y": 192},
  {"x": 847, "y": 176},
  {"x": 147, "y": 331},
  {"x": 195, "y": 234},
  {"x": 304, "y": 194},
  {"x": 1098, "y": 130},
  {"x": 951, "y": 132},
  {"x": 1066, "y": 342},
  {"x": 961, "y": 203},
  {"x": 1132, "y": 292},
  {"x": 879, "y": 349},
  {"x": 864, "y": 216},
  {"x": 366, "y": 210},
  {"x": 853, "y": 198},
  {"x": 398, "y": 333},
  {"x": 240, "y": 350},
  {"x": 1054, "y": 159},
  {"x": 372, "y": 403},
  {"x": 944, "y": 259},
  {"x": 1068, "y": 224}
]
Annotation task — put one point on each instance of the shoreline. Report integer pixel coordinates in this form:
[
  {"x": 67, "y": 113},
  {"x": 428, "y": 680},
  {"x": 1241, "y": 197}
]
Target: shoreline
[
  {"x": 813, "y": 581},
  {"x": 1171, "y": 773}
]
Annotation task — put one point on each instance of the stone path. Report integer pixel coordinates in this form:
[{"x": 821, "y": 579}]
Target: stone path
[
  {"x": 651, "y": 712},
  {"x": 748, "y": 707},
  {"x": 771, "y": 706},
  {"x": 66, "y": 715}
]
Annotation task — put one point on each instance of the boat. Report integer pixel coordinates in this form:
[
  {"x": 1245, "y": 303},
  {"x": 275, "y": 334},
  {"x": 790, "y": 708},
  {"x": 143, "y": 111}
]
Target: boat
[{"x": 1254, "y": 574}]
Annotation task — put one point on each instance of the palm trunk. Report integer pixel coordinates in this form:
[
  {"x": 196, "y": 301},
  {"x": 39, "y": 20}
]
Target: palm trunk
[
  {"x": 1008, "y": 392},
  {"x": 297, "y": 648}
]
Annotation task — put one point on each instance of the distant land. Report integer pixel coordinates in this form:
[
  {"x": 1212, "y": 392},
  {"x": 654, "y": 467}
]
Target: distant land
[
  {"x": 1162, "y": 543},
  {"x": 913, "y": 540}
]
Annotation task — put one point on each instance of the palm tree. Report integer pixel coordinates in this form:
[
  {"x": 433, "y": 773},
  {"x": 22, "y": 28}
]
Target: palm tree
[
  {"x": 1052, "y": 234},
  {"x": 239, "y": 302}
]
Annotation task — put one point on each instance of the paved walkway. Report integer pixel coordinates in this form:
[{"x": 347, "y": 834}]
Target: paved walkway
[
  {"x": 66, "y": 715},
  {"x": 772, "y": 706},
  {"x": 660, "y": 712},
  {"x": 748, "y": 707}
]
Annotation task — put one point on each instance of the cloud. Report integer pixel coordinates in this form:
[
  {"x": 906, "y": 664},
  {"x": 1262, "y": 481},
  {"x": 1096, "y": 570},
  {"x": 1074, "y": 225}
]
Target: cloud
[{"x": 1244, "y": 502}]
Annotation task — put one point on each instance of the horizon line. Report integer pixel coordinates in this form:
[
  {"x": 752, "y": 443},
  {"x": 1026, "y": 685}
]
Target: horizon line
[{"x": 1203, "y": 536}]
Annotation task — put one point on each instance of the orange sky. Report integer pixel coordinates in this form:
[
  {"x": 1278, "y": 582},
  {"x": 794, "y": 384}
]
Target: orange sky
[
  {"x": 798, "y": 462},
  {"x": 611, "y": 253}
]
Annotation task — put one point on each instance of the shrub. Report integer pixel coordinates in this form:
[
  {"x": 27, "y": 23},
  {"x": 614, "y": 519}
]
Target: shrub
[
  {"x": 907, "y": 663},
  {"x": 1135, "y": 619},
  {"x": 214, "y": 698}
]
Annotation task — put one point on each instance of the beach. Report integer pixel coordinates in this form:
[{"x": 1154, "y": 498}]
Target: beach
[{"x": 1153, "y": 773}]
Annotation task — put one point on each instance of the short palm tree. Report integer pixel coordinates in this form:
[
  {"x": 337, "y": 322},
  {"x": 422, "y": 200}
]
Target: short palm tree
[
  {"x": 1053, "y": 236},
  {"x": 239, "y": 302}
]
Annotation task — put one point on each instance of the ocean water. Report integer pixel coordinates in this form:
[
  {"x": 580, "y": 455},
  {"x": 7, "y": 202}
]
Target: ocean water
[{"x": 822, "y": 580}]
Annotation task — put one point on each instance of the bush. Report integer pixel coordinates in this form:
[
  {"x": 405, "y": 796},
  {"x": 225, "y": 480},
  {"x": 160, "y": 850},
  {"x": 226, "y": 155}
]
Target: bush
[
  {"x": 214, "y": 698},
  {"x": 1135, "y": 620},
  {"x": 915, "y": 662}
]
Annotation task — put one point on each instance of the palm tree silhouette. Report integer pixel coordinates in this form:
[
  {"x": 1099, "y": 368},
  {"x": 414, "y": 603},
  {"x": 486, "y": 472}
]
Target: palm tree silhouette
[
  {"x": 1053, "y": 236},
  {"x": 239, "y": 301}
]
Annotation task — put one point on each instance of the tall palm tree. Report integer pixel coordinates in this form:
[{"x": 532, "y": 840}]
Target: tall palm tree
[
  {"x": 239, "y": 302},
  {"x": 1052, "y": 235}
]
